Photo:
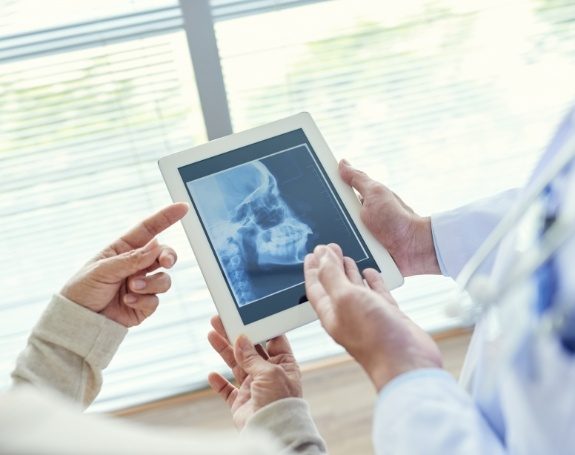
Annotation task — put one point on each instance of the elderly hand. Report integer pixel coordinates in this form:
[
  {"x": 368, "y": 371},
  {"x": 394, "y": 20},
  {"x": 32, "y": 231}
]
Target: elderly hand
[
  {"x": 406, "y": 235},
  {"x": 117, "y": 282},
  {"x": 263, "y": 375},
  {"x": 365, "y": 320}
]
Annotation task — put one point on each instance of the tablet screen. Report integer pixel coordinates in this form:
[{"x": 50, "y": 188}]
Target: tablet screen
[{"x": 263, "y": 207}]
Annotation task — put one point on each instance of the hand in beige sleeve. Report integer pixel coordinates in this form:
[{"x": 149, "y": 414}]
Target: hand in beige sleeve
[
  {"x": 83, "y": 326},
  {"x": 263, "y": 377},
  {"x": 118, "y": 282},
  {"x": 268, "y": 392}
]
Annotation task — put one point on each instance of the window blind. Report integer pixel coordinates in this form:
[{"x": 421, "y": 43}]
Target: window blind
[
  {"x": 231, "y": 9},
  {"x": 86, "y": 109},
  {"x": 444, "y": 102}
]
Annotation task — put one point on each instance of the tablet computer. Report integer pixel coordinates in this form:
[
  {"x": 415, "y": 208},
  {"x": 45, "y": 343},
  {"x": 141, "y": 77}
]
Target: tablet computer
[{"x": 260, "y": 201}]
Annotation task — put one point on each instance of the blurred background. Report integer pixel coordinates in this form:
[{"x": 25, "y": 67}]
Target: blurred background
[{"x": 445, "y": 101}]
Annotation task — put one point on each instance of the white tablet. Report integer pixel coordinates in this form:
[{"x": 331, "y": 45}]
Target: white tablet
[{"x": 260, "y": 201}]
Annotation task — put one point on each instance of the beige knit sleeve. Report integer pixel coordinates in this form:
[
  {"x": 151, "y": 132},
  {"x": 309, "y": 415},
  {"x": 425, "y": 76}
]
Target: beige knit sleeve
[
  {"x": 68, "y": 349},
  {"x": 290, "y": 422}
]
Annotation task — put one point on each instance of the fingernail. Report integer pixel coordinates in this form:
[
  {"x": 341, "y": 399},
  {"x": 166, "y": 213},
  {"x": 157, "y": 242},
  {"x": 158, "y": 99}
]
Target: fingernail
[
  {"x": 345, "y": 162},
  {"x": 244, "y": 343},
  {"x": 170, "y": 260},
  {"x": 130, "y": 298},
  {"x": 138, "y": 284},
  {"x": 320, "y": 251}
]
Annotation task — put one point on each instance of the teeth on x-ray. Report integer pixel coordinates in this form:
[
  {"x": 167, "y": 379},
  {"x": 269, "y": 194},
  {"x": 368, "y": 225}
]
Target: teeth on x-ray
[
  {"x": 277, "y": 236},
  {"x": 263, "y": 232},
  {"x": 282, "y": 244}
]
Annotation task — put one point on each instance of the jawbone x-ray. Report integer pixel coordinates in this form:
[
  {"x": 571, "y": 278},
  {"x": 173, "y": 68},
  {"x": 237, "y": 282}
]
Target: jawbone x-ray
[
  {"x": 254, "y": 229},
  {"x": 268, "y": 232},
  {"x": 262, "y": 217}
]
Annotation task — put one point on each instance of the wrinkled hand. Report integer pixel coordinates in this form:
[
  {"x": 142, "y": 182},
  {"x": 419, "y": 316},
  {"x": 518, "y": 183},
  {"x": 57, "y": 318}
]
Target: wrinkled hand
[
  {"x": 263, "y": 375},
  {"x": 365, "y": 320},
  {"x": 117, "y": 282},
  {"x": 406, "y": 235}
]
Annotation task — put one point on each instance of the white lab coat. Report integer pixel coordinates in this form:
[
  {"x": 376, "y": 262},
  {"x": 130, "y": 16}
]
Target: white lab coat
[{"x": 521, "y": 397}]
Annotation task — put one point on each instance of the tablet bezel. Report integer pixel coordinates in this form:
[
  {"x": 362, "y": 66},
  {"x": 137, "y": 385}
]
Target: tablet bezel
[{"x": 300, "y": 314}]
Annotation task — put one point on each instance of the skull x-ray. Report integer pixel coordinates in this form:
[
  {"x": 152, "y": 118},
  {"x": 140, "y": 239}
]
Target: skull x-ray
[
  {"x": 251, "y": 226},
  {"x": 263, "y": 209}
]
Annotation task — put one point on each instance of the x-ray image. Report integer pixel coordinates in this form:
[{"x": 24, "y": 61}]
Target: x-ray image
[
  {"x": 251, "y": 227},
  {"x": 263, "y": 216}
]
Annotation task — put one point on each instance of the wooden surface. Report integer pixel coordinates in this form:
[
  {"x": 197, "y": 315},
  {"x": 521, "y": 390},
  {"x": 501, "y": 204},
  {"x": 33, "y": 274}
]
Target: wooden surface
[{"x": 340, "y": 396}]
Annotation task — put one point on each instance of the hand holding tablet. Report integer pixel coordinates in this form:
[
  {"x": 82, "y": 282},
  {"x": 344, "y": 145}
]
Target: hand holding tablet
[{"x": 261, "y": 200}]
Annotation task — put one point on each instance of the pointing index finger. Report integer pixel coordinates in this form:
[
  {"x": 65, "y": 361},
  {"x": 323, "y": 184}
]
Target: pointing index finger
[{"x": 150, "y": 227}]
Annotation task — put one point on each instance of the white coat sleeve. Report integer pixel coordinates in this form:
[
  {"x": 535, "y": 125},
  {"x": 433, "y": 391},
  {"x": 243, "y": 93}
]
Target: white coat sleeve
[
  {"x": 458, "y": 233},
  {"x": 426, "y": 411}
]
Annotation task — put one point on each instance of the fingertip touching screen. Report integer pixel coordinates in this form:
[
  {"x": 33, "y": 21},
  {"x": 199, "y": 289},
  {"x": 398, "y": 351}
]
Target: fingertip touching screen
[{"x": 263, "y": 207}]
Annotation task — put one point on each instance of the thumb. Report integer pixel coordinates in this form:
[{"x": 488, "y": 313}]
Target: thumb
[
  {"x": 355, "y": 178},
  {"x": 331, "y": 273},
  {"x": 248, "y": 358},
  {"x": 123, "y": 265}
]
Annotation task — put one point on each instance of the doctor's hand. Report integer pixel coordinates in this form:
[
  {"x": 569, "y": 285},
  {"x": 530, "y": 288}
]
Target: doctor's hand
[
  {"x": 365, "y": 320},
  {"x": 406, "y": 235},
  {"x": 118, "y": 282},
  {"x": 262, "y": 375}
]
